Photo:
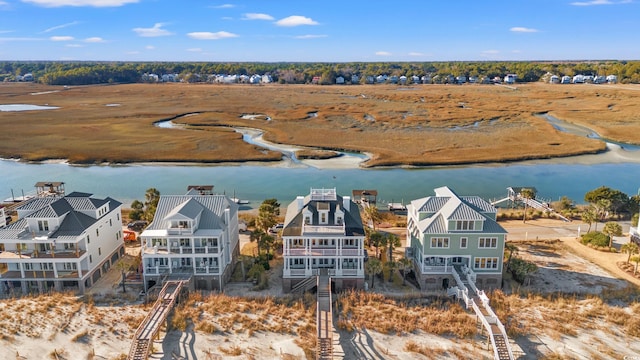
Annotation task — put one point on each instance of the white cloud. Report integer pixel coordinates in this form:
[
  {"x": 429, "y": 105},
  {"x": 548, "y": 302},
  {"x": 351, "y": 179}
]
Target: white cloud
[
  {"x": 224, "y": 6},
  {"x": 150, "y": 47},
  {"x": 93, "y": 3},
  {"x": 599, "y": 2},
  {"x": 523, "y": 29},
  {"x": 296, "y": 20},
  {"x": 154, "y": 31},
  {"x": 94, "y": 39},
  {"x": 205, "y": 35},
  {"x": 383, "y": 53},
  {"x": 414, "y": 53},
  {"x": 61, "y": 38},
  {"x": 194, "y": 50},
  {"x": 310, "y": 36},
  {"x": 61, "y": 26},
  {"x": 257, "y": 16}
]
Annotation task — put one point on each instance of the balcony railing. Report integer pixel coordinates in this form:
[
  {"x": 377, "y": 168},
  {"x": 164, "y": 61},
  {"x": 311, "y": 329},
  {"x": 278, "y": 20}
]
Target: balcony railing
[
  {"x": 323, "y": 229},
  {"x": 303, "y": 273},
  {"x": 317, "y": 251}
]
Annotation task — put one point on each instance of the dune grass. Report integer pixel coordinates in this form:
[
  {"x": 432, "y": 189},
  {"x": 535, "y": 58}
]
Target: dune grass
[{"x": 420, "y": 125}]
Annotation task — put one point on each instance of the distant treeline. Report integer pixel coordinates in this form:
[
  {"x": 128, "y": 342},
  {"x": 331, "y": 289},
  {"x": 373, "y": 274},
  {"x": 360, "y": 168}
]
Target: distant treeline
[{"x": 84, "y": 73}]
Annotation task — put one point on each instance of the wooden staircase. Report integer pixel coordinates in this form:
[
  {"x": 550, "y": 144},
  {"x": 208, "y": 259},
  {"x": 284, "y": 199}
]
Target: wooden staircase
[
  {"x": 324, "y": 323},
  {"x": 305, "y": 285}
]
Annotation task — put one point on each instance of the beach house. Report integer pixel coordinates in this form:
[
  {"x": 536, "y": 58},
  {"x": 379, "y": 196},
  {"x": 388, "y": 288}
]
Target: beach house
[
  {"x": 323, "y": 230},
  {"x": 449, "y": 233},
  {"x": 60, "y": 243},
  {"x": 192, "y": 237}
]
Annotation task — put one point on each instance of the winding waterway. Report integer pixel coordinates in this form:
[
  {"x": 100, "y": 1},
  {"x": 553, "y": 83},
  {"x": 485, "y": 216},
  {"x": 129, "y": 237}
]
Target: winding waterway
[{"x": 617, "y": 168}]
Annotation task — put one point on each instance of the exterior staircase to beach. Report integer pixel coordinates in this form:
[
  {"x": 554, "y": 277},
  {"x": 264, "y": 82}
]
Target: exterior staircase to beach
[
  {"x": 150, "y": 326},
  {"x": 324, "y": 315},
  {"x": 304, "y": 285},
  {"x": 479, "y": 302}
]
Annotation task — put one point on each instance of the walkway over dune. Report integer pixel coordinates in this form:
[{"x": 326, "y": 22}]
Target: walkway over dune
[{"x": 150, "y": 326}]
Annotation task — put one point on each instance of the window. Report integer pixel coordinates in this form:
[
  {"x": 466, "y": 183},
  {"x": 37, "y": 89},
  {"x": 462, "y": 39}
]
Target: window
[
  {"x": 464, "y": 225},
  {"x": 463, "y": 243},
  {"x": 440, "y": 243},
  {"x": 297, "y": 242},
  {"x": 28, "y": 266},
  {"x": 69, "y": 266},
  {"x": 307, "y": 220},
  {"x": 88, "y": 240},
  {"x": 110, "y": 222},
  {"x": 323, "y": 218},
  {"x": 43, "y": 225},
  {"x": 296, "y": 263},
  {"x": 485, "y": 263},
  {"x": 350, "y": 242},
  {"x": 350, "y": 264},
  {"x": 118, "y": 217},
  {"x": 488, "y": 243},
  {"x": 184, "y": 242},
  {"x": 90, "y": 259},
  {"x": 98, "y": 232},
  {"x": 339, "y": 220},
  {"x": 99, "y": 251}
]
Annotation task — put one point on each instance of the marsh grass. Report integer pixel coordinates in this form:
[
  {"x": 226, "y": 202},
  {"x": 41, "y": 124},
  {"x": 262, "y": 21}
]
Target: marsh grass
[{"x": 394, "y": 126}]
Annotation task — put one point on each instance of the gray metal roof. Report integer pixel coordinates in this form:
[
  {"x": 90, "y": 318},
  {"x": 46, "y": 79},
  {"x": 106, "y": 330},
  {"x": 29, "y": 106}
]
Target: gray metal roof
[
  {"x": 447, "y": 205},
  {"x": 212, "y": 206},
  {"x": 294, "y": 216}
]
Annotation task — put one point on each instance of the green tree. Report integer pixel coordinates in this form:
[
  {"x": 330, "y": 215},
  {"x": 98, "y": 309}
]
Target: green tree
[
  {"x": 152, "y": 196},
  {"x": 257, "y": 235},
  {"x": 630, "y": 248},
  {"x": 268, "y": 213},
  {"x": 373, "y": 267},
  {"x": 526, "y": 194},
  {"x": 137, "y": 210},
  {"x": 612, "y": 229}
]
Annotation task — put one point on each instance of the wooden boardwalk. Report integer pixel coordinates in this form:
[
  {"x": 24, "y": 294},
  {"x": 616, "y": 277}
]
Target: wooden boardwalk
[
  {"x": 150, "y": 326},
  {"x": 324, "y": 318}
]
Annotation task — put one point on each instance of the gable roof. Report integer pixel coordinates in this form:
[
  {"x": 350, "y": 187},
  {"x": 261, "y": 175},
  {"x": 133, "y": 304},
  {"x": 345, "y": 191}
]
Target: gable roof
[
  {"x": 448, "y": 206},
  {"x": 212, "y": 209}
]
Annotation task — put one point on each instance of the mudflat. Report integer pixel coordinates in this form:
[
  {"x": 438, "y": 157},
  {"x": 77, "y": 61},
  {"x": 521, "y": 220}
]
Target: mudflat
[{"x": 417, "y": 125}]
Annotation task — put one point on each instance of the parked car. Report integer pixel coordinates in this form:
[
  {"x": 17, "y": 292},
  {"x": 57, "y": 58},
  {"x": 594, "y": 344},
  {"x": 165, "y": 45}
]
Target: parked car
[
  {"x": 137, "y": 225},
  {"x": 276, "y": 228}
]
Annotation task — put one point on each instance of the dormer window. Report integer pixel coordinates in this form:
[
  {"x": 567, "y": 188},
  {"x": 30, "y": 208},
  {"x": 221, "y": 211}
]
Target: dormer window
[
  {"x": 465, "y": 225},
  {"x": 323, "y": 218},
  {"x": 339, "y": 220},
  {"x": 307, "y": 220},
  {"x": 183, "y": 224},
  {"x": 43, "y": 225}
]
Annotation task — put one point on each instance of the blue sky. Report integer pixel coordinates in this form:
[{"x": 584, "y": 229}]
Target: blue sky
[{"x": 319, "y": 31}]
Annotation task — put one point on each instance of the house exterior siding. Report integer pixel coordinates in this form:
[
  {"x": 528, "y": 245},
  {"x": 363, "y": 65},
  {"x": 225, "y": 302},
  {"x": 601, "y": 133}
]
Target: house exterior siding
[
  {"x": 192, "y": 237},
  {"x": 441, "y": 238},
  {"x": 323, "y": 231},
  {"x": 60, "y": 243}
]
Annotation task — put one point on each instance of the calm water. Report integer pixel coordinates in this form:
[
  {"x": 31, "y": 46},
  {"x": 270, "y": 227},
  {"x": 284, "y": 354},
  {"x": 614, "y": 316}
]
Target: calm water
[{"x": 256, "y": 183}]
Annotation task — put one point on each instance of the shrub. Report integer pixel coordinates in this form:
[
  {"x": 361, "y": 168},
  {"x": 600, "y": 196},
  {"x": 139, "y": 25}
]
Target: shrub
[{"x": 595, "y": 238}]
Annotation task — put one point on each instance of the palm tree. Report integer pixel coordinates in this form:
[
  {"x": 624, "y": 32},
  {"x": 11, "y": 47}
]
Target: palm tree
[
  {"x": 512, "y": 249},
  {"x": 124, "y": 265},
  {"x": 392, "y": 241},
  {"x": 527, "y": 194},
  {"x": 404, "y": 264},
  {"x": 390, "y": 266},
  {"x": 612, "y": 229},
  {"x": 256, "y": 235},
  {"x": 589, "y": 217},
  {"x": 630, "y": 248},
  {"x": 373, "y": 268},
  {"x": 376, "y": 239},
  {"x": 372, "y": 216},
  {"x": 635, "y": 259}
]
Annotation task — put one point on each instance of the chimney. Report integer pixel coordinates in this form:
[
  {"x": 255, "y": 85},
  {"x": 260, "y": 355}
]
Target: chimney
[
  {"x": 346, "y": 203},
  {"x": 300, "y": 201}
]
